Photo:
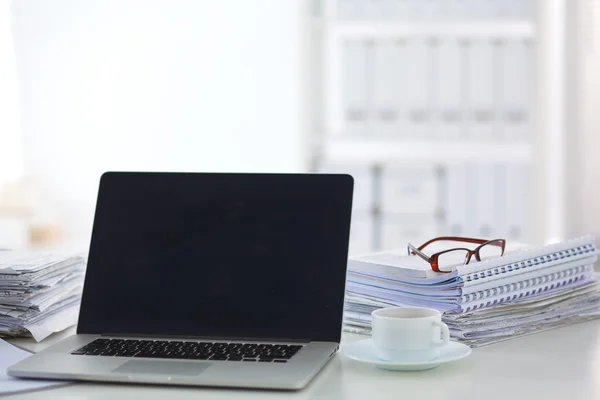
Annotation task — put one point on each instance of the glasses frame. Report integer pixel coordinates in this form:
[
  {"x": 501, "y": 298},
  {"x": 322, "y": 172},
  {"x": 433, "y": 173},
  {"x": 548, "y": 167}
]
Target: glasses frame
[{"x": 433, "y": 259}]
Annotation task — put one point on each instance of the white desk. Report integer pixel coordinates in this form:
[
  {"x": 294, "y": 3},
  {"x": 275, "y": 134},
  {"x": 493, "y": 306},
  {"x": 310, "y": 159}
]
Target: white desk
[{"x": 559, "y": 364}]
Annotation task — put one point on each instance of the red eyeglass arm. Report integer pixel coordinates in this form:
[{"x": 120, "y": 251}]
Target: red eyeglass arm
[{"x": 495, "y": 242}]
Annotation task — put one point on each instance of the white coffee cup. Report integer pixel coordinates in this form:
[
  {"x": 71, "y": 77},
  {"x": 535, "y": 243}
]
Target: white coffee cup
[{"x": 408, "y": 334}]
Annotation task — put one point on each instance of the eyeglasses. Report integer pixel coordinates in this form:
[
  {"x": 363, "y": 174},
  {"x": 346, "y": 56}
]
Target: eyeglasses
[{"x": 447, "y": 260}]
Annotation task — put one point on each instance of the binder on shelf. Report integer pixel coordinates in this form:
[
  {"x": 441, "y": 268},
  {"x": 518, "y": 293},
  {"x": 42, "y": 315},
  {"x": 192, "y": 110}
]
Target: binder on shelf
[
  {"x": 431, "y": 10},
  {"x": 527, "y": 10},
  {"x": 355, "y": 86},
  {"x": 470, "y": 222},
  {"x": 516, "y": 75},
  {"x": 522, "y": 10},
  {"x": 470, "y": 10},
  {"x": 385, "y": 88},
  {"x": 481, "y": 83},
  {"x": 374, "y": 10},
  {"x": 417, "y": 91},
  {"x": 400, "y": 10},
  {"x": 518, "y": 196},
  {"x": 409, "y": 190},
  {"x": 350, "y": 10},
  {"x": 486, "y": 198},
  {"x": 454, "y": 10},
  {"x": 448, "y": 91},
  {"x": 486, "y": 10},
  {"x": 402, "y": 97},
  {"x": 386, "y": 10},
  {"x": 501, "y": 221},
  {"x": 456, "y": 200},
  {"x": 399, "y": 229}
]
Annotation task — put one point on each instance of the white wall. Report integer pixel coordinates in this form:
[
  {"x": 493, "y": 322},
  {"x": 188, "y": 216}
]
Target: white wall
[
  {"x": 10, "y": 156},
  {"x": 154, "y": 85},
  {"x": 585, "y": 163}
]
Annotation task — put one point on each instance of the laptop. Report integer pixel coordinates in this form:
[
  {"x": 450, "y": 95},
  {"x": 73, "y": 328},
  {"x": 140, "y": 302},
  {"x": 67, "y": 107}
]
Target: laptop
[{"x": 209, "y": 279}]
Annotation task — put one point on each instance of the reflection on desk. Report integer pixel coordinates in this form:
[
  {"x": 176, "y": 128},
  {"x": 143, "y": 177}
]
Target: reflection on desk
[{"x": 558, "y": 364}]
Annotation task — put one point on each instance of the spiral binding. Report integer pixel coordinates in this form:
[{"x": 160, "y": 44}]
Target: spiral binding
[
  {"x": 517, "y": 286},
  {"x": 559, "y": 255},
  {"x": 517, "y": 295}
]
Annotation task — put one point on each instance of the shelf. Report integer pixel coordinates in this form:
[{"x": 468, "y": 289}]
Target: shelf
[
  {"x": 375, "y": 29},
  {"x": 373, "y": 150}
]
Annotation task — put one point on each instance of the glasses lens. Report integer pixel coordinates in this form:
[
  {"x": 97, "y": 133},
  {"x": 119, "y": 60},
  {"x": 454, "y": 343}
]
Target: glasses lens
[
  {"x": 490, "y": 250},
  {"x": 449, "y": 260}
]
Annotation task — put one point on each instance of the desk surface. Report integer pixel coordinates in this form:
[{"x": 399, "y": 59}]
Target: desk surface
[{"x": 558, "y": 364}]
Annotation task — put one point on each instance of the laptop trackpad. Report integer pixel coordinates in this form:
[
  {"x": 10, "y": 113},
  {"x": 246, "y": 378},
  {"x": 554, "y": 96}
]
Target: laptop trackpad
[{"x": 162, "y": 367}]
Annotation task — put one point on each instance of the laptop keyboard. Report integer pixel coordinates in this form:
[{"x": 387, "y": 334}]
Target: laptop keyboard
[{"x": 251, "y": 352}]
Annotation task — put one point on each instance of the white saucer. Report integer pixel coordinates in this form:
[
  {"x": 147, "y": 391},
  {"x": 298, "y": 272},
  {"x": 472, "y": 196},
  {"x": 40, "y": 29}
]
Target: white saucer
[{"x": 362, "y": 351}]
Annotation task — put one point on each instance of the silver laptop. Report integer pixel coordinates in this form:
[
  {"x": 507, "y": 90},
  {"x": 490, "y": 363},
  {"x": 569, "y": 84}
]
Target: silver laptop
[{"x": 209, "y": 279}]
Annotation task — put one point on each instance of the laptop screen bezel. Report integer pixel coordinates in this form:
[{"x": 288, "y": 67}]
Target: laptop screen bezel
[{"x": 339, "y": 182}]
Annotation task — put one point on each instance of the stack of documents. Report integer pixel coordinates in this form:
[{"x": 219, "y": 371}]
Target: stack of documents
[
  {"x": 39, "y": 292},
  {"x": 523, "y": 292}
]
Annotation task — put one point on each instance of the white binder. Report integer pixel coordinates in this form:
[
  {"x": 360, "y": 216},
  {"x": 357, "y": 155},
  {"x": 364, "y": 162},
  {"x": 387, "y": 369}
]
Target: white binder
[
  {"x": 409, "y": 190},
  {"x": 431, "y": 10},
  {"x": 480, "y": 89},
  {"x": 399, "y": 229},
  {"x": 454, "y": 10},
  {"x": 484, "y": 10},
  {"x": 517, "y": 74},
  {"x": 355, "y": 87},
  {"x": 448, "y": 108},
  {"x": 374, "y": 9},
  {"x": 417, "y": 87},
  {"x": 350, "y": 9},
  {"x": 512, "y": 215},
  {"x": 456, "y": 200},
  {"x": 400, "y": 82},
  {"x": 401, "y": 10},
  {"x": 470, "y": 205},
  {"x": 518, "y": 195},
  {"x": 519, "y": 9},
  {"x": 385, "y": 88},
  {"x": 486, "y": 196}
]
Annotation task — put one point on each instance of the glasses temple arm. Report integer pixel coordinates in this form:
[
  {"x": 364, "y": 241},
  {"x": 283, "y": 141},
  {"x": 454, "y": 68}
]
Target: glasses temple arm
[
  {"x": 454, "y": 239},
  {"x": 413, "y": 250}
]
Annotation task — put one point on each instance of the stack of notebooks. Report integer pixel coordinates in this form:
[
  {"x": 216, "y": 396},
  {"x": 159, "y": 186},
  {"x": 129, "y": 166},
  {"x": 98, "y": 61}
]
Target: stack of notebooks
[
  {"x": 39, "y": 292},
  {"x": 523, "y": 292}
]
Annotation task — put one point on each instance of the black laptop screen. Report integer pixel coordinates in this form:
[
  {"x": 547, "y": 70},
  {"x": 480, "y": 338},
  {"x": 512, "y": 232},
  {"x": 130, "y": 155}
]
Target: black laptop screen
[{"x": 218, "y": 255}]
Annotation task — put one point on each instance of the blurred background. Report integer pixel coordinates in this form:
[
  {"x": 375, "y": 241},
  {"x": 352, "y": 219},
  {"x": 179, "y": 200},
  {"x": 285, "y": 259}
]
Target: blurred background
[{"x": 455, "y": 117}]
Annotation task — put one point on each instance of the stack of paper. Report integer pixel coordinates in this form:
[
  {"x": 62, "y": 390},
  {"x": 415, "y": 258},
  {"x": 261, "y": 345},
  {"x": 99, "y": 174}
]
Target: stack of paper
[
  {"x": 39, "y": 292},
  {"x": 522, "y": 292}
]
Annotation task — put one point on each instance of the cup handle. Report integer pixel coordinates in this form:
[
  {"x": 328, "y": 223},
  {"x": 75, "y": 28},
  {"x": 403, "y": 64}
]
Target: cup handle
[{"x": 445, "y": 334}]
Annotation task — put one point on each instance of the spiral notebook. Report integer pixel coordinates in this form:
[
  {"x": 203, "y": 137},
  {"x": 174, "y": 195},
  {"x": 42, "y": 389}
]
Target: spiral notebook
[
  {"x": 505, "y": 283},
  {"x": 397, "y": 265},
  {"x": 516, "y": 290}
]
